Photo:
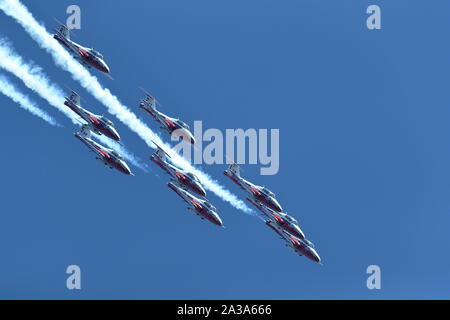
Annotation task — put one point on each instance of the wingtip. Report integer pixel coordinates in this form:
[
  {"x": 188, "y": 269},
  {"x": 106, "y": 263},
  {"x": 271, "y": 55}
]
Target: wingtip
[
  {"x": 59, "y": 22},
  {"x": 145, "y": 92}
]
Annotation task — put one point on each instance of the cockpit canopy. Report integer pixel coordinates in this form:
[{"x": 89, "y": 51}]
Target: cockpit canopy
[
  {"x": 181, "y": 124},
  {"x": 192, "y": 176},
  {"x": 107, "y": 121},
  {"x": 117, "y": 155},
  {"x": 97, "y": 54},
  {"x": 291, "y": 219},
  {"x": 150, "y": 100},
  {"x": 268, "y": 192},
  {"x": 209, "y": 206}
]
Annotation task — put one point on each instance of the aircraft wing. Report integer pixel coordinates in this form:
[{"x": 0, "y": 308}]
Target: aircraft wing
[
  {"x": 183, "y": 194},
  {"x": 270, "y": 224},
  {"x": 75, "y": 98},
  {"x": 92, "y": 145},
  {"x": 162, "y": 154},
  {"x": 259, "y": 206},
  {"x": 148, "y": 97},
  {"x": 64, "y": 41},
  {"x": 149, "y": 100},
  {"x": 178, "y": 190},
  {"x": 98, "y": 150}
]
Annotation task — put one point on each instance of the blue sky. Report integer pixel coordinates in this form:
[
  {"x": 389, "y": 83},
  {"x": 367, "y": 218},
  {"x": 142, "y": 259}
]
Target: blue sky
[{"x": 364, "y": 153}]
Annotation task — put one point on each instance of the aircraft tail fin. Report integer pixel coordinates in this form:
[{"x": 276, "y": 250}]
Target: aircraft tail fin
[
  {"x": 63, "y": 30},
  {"x": 235, "y": 169},
  {"x": 309, "y": 243},
  {"x": 161, "y": 152},
  {"x": 75, "y": 98},
  {"x": 85, "y": 131},
  {"x": 149, "y": 100}
]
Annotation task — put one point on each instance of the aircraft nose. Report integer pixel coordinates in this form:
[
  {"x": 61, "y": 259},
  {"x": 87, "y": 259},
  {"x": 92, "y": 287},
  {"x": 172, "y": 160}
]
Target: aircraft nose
[
  {"x": 217, "y": 220},
  {"x": 299, "y": 232},
  {"x": 201, "y": 191},
  {"x": 114, "y": 134},
  {"x": 276, "y": 206},
  {"x": 314, "y": 255},
  {"x": 125, "y": 168},
  {"x": 104, "y": 67}
]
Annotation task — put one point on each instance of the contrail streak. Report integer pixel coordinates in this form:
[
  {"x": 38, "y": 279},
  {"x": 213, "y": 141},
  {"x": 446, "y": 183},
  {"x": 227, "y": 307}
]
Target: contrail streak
[
  {"x": 36, "y": 80},
  {"x": 23, "y": 101},
  {"x": 63, "y": 59}
]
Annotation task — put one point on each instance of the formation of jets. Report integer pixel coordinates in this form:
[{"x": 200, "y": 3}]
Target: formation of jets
[
  {"x": 99, "y": 125},
  {"x": 93, "y": 123},
  {"x": 182, "y": 182},
  {"x": 283, "y": 224}
]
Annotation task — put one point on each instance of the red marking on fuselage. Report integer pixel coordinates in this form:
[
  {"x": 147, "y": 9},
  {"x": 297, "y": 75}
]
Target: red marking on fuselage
[
  {"x": 295, "y": 242},
  {"x": 179, "y": 175},
  {"x": 278, "y": 218},
  {"x": 198, "y": 205},
  {"x": 95, "y": 121},
  {"x": 84, "y": 53},
  {"x": 170, "y": 123},
  {"x": 256, "y": 192},
  {"x": 105, "y": 154}
]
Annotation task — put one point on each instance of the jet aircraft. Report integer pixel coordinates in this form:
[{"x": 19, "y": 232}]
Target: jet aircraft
[
  {"x": 184, "y": 179},
  {"x": 299, "y": 246},
  {"x": 98, "y": 124},
  {"x": 171, "y": 125},
  {"x": 88, "y": 57},
  {"x": 282, "y": 221},
  {"x": 108, "y": 157},
  {"x": 258, "y": 194},
  {"x": 199, "y": 207}
]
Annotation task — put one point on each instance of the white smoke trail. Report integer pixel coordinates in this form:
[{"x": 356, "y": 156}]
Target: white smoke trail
[
  {"x": 62, "y": 58},
  {"x": 36, "y": 80},
  {"x": 23, "y": 101}
]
